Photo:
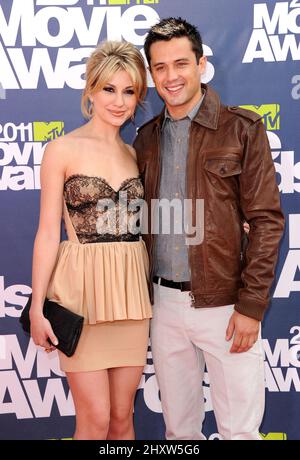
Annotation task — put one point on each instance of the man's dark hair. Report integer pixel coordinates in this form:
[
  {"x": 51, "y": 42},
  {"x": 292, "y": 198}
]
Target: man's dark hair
[{"x": 170, "y": 28}]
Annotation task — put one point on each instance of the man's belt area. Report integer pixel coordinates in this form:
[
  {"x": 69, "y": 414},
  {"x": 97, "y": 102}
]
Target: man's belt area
[{"x": 181, "y": 285}]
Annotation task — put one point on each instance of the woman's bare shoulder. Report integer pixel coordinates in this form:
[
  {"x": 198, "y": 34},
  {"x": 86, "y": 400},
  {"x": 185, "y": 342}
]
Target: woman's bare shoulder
[
  {"x": 131, "y": 151},
  {"x": 65, "y": 144}
]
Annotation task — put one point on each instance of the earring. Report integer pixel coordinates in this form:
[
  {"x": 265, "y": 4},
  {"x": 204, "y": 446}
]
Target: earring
[{"x": 91, "y": 108}]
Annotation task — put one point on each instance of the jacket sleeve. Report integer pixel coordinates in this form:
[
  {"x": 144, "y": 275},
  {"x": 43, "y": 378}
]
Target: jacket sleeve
[
  {"x": 138, "y": 146},
  {"x": 260, "y": 203}
]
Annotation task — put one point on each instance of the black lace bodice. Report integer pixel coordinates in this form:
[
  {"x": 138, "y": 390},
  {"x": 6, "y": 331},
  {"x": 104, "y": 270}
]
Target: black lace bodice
[{"x": 101, "y": 214}]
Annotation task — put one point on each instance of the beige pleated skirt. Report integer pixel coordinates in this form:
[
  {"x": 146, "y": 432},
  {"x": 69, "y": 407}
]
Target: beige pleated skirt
[{"x": 107, "y": 284}]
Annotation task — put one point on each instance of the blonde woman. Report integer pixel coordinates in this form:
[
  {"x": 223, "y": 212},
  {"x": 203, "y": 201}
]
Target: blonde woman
[{"x": 100, "y": 272}]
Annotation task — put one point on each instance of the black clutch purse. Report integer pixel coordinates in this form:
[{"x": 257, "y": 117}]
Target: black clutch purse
[{"x": 66, "y": 325}]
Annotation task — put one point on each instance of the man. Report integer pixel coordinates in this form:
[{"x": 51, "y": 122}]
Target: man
[{"x": 210, "y": 296}]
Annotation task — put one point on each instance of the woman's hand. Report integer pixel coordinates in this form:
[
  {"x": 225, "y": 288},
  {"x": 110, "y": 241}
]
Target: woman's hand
[{"x": 41, "y": 331}]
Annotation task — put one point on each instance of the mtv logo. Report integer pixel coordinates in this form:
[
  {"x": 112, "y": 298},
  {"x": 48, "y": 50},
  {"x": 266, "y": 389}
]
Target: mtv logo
[
  {"x": 274, "y": 436},
  {"x": 270, "y": 114},
  {"x": 119, "y": 2},
  {"x": 44, "y": 131}
]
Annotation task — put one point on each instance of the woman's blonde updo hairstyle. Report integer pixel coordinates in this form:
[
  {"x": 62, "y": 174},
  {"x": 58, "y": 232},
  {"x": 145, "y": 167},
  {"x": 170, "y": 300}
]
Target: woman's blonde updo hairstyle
[{"x": 108, "y": 58}]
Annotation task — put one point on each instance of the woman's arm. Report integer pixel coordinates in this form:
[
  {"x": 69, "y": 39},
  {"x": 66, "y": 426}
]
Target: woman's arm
[{"x": 47, "y": 239}]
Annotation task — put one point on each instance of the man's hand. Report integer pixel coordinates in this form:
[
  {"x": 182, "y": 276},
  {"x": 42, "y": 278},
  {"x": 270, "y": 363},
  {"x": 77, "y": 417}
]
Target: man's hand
[{"x": 245, "y": 331}]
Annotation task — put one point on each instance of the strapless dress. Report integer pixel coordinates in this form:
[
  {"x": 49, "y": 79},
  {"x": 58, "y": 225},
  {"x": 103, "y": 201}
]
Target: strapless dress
[{"x": 101, "y": 273}]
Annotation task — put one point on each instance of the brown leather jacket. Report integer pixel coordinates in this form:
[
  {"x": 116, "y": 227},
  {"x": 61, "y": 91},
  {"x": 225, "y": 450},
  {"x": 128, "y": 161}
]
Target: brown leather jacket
[{"x": 229, "y": 166}]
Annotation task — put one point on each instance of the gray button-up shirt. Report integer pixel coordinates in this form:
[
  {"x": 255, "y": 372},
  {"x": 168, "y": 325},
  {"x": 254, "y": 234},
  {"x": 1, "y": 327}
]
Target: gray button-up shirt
[{"x": 171, "y": 252}]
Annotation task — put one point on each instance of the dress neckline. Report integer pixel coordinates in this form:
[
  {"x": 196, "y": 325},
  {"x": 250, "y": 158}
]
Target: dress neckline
[{"x": 102, "y": 179}]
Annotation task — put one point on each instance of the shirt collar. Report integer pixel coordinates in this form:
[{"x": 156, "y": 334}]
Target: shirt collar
[{"x": 191, "y": 115}]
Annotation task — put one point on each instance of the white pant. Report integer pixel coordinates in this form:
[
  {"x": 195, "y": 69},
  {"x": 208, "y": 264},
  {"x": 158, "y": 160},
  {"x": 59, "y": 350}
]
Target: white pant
[{"x": 184, "y": 339}]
